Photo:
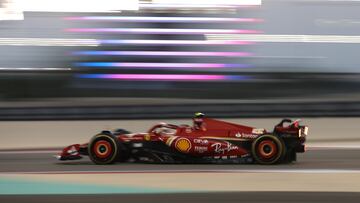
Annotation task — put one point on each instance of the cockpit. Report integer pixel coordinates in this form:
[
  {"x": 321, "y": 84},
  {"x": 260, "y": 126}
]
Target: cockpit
[{"x": 164, "y": 129}]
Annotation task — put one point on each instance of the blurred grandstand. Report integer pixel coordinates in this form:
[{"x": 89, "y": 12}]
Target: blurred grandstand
[{"x": 239, "y": 58}]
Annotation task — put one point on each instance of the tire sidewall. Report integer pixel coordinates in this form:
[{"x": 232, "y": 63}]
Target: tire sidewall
[{"x": 281, "y": 149}]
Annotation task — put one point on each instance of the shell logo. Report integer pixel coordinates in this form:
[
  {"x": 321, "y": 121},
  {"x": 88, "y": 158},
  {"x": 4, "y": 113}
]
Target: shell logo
[
  {"x": 183, "y": 145},
  {"x": 147, "y": 137}
]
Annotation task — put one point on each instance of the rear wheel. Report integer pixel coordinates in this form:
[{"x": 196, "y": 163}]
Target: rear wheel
[
  {"x": 105, "y": 148},
  {"x": 268, "y": 149}
]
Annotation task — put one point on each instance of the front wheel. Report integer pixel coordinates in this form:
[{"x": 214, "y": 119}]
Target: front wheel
[
  {"x": 105, "y": 148},
  {"x": 268, "y": 149}
]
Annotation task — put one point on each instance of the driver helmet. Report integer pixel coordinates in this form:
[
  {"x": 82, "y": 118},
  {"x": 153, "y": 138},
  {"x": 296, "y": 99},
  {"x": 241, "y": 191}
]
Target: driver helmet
[
  {"x": 198, "y": 120},
  {"x": 199, "y": 115}
]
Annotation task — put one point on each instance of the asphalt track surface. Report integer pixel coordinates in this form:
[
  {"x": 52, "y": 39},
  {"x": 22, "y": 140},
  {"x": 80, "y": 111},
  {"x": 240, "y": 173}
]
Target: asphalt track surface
[
  {"x": 332, "y": 159},
  {"x": 327, "y": 159}
]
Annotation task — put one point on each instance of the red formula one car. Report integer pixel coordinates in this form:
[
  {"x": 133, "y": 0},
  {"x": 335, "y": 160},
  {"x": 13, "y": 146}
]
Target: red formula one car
[{"x": 208, "y": 141}]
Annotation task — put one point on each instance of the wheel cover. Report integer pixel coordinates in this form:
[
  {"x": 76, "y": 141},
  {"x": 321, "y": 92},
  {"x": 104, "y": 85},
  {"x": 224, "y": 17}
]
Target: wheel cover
[
  {"x": 267, "y": 149},
  {"x": 102, "y": 149}
]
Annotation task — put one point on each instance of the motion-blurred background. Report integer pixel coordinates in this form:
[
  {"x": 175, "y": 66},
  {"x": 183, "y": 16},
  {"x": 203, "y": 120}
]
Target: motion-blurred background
[
  {"x": 167, "y": 58},
  {"x": 133, "y": 63}
]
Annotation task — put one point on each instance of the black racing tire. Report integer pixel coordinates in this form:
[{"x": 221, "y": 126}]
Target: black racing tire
[
  {"x": 105, "y": 148},
  {"x": 268, "y": 149}
]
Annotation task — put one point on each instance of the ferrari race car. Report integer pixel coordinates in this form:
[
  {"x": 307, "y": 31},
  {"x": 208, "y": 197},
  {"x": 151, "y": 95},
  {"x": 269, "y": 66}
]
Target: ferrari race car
[{"x": 208, "y": 141}]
